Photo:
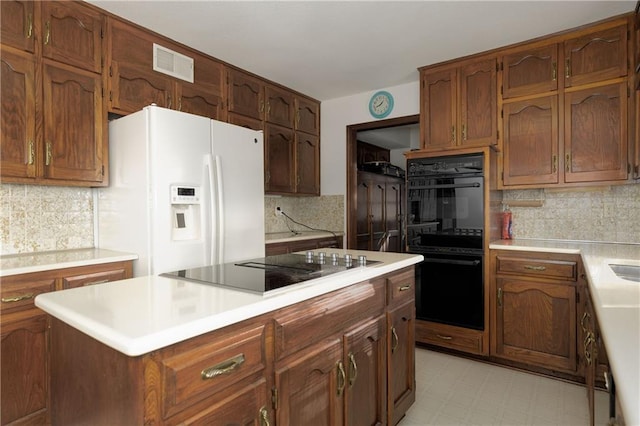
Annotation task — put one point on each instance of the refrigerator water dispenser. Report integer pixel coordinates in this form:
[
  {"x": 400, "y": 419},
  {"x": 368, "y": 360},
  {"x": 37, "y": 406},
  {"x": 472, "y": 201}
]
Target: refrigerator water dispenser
[{"x": 185, "y": 212}]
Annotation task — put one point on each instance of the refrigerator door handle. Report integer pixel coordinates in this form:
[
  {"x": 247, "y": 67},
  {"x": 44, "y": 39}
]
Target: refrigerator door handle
[
  {"x": 211, "y": 244},
  {"x": 219, "y": 210}
]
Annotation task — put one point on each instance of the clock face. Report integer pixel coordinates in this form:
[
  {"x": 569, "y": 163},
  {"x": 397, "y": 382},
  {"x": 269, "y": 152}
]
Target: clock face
[{"x": 381, "y": 104}]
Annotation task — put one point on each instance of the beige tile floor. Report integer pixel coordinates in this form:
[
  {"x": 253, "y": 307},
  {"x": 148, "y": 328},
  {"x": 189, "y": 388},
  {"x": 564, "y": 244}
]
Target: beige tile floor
[{"x": 458, "y": 391}]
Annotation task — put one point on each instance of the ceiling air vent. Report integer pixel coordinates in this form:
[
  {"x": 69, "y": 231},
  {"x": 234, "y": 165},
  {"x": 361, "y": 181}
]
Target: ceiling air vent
[{"x": 173, "y": 63}]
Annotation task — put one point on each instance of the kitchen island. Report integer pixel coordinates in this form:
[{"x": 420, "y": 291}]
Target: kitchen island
[
  {"x": 617, "y": 306},
  {"x": 163, "y": 350}
]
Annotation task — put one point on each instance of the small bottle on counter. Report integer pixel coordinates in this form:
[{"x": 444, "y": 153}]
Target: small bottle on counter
[{"x": 507, "y": 223}]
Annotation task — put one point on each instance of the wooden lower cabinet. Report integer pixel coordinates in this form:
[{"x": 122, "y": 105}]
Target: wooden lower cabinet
[
  {"x": 303, "y": 245},
  {"x": 25, "y": 367},
  {"x": 534, "y": 314},
  {"x": 343, "y": 358}
]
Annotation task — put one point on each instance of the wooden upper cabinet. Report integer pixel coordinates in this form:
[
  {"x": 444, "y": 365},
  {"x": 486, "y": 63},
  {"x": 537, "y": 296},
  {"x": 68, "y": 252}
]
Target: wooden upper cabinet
[
  {"x": 307, "y": 164},
  {"x": 205, "y": 96},
  {"x": 530, "y": 71},
  {"x": 531, "y": 147},
  {"x": 307, "y": 117},
  {"x": 17, "y": 121},
  {"x": 131, "y": 88},
  {"x": 245, "y": 94},
  {"x": 17, "y": 22},
  {"x": 73, "y": 134},
  {"x": 478, "y": 104},
  {"x": 597, "y": 56},
  {"x": 72, "y": 34},
  {"x": 439, "y": 109},
  {"x": 279, "y": 159},
  {"x": 596, "y": 134},
  {"x": 459, "y": 106},
  {"x": 279, "y": 108}
]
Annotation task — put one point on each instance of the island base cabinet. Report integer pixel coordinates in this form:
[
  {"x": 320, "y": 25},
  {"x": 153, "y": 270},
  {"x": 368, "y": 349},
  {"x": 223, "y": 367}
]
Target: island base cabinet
[{"x": 401, "y": 354}]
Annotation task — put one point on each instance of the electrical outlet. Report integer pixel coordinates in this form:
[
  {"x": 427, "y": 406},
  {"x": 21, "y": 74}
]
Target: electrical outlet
[{"x": 278, "y": 211}]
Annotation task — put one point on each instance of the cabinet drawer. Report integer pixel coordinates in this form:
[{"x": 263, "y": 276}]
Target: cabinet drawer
[
  {"x": 19, "y": 294},
  {"x": 309, "y": 322},
  {"x": 538, "y": 267},
  {"x": 94, "y": 278},
  {"x": 401, "y": 287},
  {"x": 457, "y": 338},
  {"x": 192, "y": 375}
]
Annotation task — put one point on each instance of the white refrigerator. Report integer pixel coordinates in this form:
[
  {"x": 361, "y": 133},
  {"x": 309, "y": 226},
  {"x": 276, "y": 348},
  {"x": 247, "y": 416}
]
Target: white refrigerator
[{"x": 185, "y": 191}]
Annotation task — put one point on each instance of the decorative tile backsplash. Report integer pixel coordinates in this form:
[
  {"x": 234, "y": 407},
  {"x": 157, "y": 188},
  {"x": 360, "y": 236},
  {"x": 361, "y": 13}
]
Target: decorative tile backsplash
[
  {"x": 42, "y": 218},
  {"x": 590, "y": 214}
]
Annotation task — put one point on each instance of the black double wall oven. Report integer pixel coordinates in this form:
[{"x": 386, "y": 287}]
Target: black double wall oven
[{"x": 445, "y": 223}]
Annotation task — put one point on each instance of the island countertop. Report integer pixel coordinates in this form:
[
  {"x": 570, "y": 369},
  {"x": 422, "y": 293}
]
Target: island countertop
[
  {"x": 140, "y": 315},
  {"x": 617, "y": 305}
]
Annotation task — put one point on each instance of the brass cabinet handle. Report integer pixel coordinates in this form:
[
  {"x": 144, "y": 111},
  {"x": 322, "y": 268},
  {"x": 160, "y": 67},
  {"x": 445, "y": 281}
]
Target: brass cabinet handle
[
  {"x": 17, "y": 298},
  {"x": 97, "y": 282},
  {"x": 268, "y": 107},
  {"x": 554, "y": 71},
  {"x": 32, "y": 153},
  {"x": 47, "y": 34},
  {"x": 340, "y": 375},
  {"x": 453, "y": 133},
  {"x": 29, "y": 26},
  {"x": 394, "y": 340},
  {"x": 585, "y": 317},
  {"x": 264, "y": 417},
  {"x": 555, "y": 163},
  {"x": 169, "y": 101},
  {"x": 588, "y": 341},
  {"x": 47, "y": 161},
  {"x": 500, "y": 297},
  {"x": 535, "y": 268},
  {"x": 464, "y": 132},
  {"x": 404, "y": 287},
  {"x": 440, "y": 336},
  {"x": 261, "y": 107},
  {"x": 567, "y": 68},
  {"x": 297, "y": 118},
  {"x": 567, "y": 163},
  {"x": 353, "y": 370},
  {"x": 180, "y": 104},
  {"x": 223, "y": 368}
]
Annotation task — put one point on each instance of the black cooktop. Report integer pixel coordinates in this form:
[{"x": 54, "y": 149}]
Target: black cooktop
[{"x": 270, "y": 273}]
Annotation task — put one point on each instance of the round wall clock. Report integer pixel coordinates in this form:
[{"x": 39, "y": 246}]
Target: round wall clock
[{"x": 381, "y": 104}]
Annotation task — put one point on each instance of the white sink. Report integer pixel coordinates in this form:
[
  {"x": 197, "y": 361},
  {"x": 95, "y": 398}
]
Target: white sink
[{"x": 626, "y": 272}]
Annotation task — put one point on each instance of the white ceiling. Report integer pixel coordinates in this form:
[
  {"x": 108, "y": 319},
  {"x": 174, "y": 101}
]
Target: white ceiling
[{"x": 331, "y": 49}]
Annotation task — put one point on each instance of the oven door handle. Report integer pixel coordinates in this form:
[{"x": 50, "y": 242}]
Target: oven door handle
[
  {"x": 453, "y": 261},
  {"x": 446, "y": 186}
]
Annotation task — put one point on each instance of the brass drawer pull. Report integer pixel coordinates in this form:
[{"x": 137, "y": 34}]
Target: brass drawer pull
[
  {"x": 405, "y": 287},
  {"x": 440, "y": 336},
  {"x": 224, "y": 367},
  {"x": 17, "y": 298},
  {"x": 98, "y": 282},
  {"x": 341, "y": 377},
  {"x": 394, "y": 340},
  {"x": 535, "y": 268},
  {"x": 353, "y": 370},
  {"x": 264, "y": 417}
]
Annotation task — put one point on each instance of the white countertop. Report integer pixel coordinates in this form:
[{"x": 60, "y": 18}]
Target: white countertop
[
  {"x": 140, "y": 315},
  {"x": 281, "y": 237},
  {"x": 50, "y": 260},
  {"x": 617, "y": 305}
]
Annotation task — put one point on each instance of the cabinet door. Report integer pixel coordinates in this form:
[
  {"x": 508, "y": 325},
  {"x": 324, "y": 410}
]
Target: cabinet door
[
  {"x": 363, "y": 222},
  {"x": 535, "y": 323},
  {"x": 196, "y": 99},
  {"x": 366, "y": 365},
  {"x": 18, "y": 124},
  {"x": 478, "y": 104},
  {"x": 279, "y": 108},
  {"x": 439, "y": 109},
  {"x": 244, "y": 121},
  {"x": 307, "y": 164},
  {"x": 23, "y": 368},
  {"x": 245, "y": 94},
  {"x": 596, "y": 134},
  {"x": 531, "y": 141},
  {"x": 279, "y": 161},
  {"x": 73, "y": 120},
  {"x": 307, "y": 115},
  {"x": 530, "y": 72},
  {"x": 16, "y": 25},
  {"x": 401, "y": 364},
  {"x": 595, "y": 57},
  {"x": 247, "y": 407},
  {"x": 72, "y": 34},
  {"x": 131, "y": 88},
  {"x": 393, "y": 215},
  {"x": 311, "y": 386}
]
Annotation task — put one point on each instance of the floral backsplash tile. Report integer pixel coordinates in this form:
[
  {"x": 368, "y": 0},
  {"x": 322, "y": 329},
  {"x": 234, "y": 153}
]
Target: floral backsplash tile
[{"x": 42, "y": 218}]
